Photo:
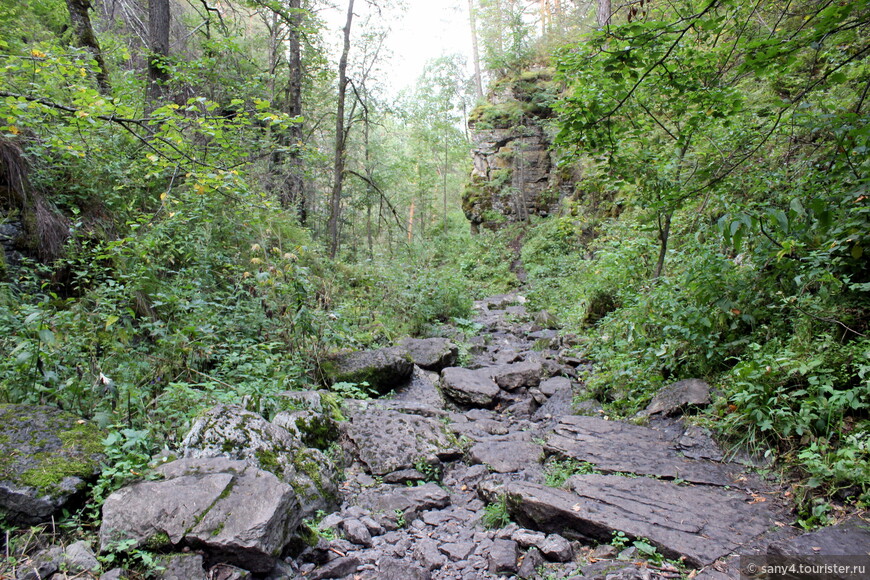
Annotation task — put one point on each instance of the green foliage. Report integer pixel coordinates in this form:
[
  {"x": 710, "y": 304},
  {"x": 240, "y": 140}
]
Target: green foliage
[
  {"x": 558, "y": 471},
  {"x": 496, "y": 513}
]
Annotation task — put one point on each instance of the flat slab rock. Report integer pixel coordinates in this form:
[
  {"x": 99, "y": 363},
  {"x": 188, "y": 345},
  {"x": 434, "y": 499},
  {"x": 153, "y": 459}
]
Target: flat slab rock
[
  {"x": 676, "y": 397},
  {"x": 409, "y": 500},
  {"x": 431, "y": 353},
  {"x": 700, "y": 524},
  {"x": 383, "y": 369},
  {"x": 506, "y": 456},
  {"x": 850, "y": 538},
  {"x": 241, "y": 514},
  {"x": 469, "y": 387},
  {"x": 615, "y": 446},
  {"x": 387, "y": 441}
]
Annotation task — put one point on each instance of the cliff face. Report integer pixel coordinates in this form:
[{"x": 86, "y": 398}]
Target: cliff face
[{"x": 513, "y": 176}]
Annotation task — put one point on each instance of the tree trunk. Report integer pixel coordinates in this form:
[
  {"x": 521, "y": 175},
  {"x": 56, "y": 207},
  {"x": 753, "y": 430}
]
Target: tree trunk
[
  {"x": 604, "y": 13},
  {"x": 475, "y": 50},
  {"x": 295, "y": 182},
  {"x": 158, "y": 37},
  {"x": 85, "y": 38},
  {"x": 340, "y": 140},
  {"x": 664, "y": 226}
]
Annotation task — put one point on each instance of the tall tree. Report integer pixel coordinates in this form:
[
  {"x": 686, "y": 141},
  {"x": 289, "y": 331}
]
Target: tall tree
[
  {"x": 158, "y": 39},
  {"x": 85, "y": 38},
  {"x": 340, "y": 140},
  {"x": 603, "y": 13},
  {"x": 475, "y": 50}
]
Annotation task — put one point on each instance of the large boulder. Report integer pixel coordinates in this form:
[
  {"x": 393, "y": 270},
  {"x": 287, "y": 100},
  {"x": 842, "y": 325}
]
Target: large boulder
[
  {"x": 384, "y": 369},
  {"x": 431, "y": 354},
  {"x": 46, "y": 458},
  {"x": 515, "y": 375},
  {"x": 230, "y": 509},
  {"x": 469, "y": 387},
  {"x": 387, "y": 441},
  {"x": 231, "y": 432},
  {"x": 677, "y": 397}
]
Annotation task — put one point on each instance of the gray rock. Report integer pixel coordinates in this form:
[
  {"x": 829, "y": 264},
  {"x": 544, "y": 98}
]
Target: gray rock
[
  {"x": 115, "y": 574},
  {"x": 427, "y": 553},
  {"x": 240, "y": 513},
  {"x": 374, "y": 528},
  {"x": 43, "y": 565},
  {"x": 604, "y": 552},
  {"x": 506, "y": 456},
  {"x": 183, "y": 567},
  {"x": 79, "y": 557},
  {"x": 513, "y": 376},
  {"x": 532, "y": 560},
  {"x": 700, "y": 524},
  {"x": 503, "y": 557},
  {"x": 355, "y": 531},
  {"x": 388, "y": 441},
  {"x": 48, "y": 457},
  {"x": 404, "y": 476},
  {"x": 675, "y": 398},
  {"x": 849, "y": 538},
  {"x": 227, "y": 572},
  {"x": 231, "y": 432},
  {"x": 696, "y": 443},
  {"x": 528, "y": 538},
  {"x": 313, "y": 429},
  {"x": 458, "y": 551},
  {"x": 467, "y": 387},
  {"x": 616, "y": 446},
  {"x": 336, "y": 568},
  {"x": 393, "y": 569},
  {"x": 555, "y": 384},
  {"x": 384, "y": 369},
  {"x": 419, "y": 396},
  {"x": 557, "y": 548},
  {"x": 558, "y": 405},
  {"x": 431, "y": 353},
  {"x": 409, "y": 500}
]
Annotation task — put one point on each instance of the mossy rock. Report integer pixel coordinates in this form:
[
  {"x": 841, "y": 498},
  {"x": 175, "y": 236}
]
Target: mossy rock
[
  {"x": 383, "y": 369},
  {"x": 46, "y": 458}
]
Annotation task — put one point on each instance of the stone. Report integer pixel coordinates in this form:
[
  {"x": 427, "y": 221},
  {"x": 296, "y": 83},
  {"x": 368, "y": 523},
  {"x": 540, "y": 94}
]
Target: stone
[
  {"x": 503, "y": 557},
  {"x": 115, "y": 574},
  {"x": 43, "y": 565},
  {"x": 511, "y": 377},
  {"x": 604, "y": 552},
  {"x": 506, "y": 456},
  {"x": 318, "y": 430},
  {"x": 431, "y": 353},
  {"x": 383, "y": 369},
  {"x": 388, "y": 441},
  {"x": 614, "y": 446},
  {"x": 558, "y": 405},
  {"x": 427, "y": 553},
  {"x": 227, "y": 572},
  {"x": 849, "y": 538},
  {"x": 409, "y": 500},
  {"x": 183, "y": 567},
  {"x": 677, "y": 397},
  {"x": 355, "y": 531},
  {"x": 556, "y": 548},
  {"x": 47, "y": 456},
  {"x": 532, "y": 560},
  {"x": 393, "y": 569},
  {"x": 700, "y": 524},
  {"x": 79, "y": 557},
  {"x": 528, "y": 538},
  {"x": 231, "y": 432},
  {"x": 404, "y": 476},
  {"x": 419, "y": 396},
  {"x": 554, "y": 385},
  {"x": 336, "y": 568},
  {"x": 469, "y": 387},
  {"x": 241, "y": 514},
  {"x": 696, "y": 443},
  {"x": 458, "y": 551}
]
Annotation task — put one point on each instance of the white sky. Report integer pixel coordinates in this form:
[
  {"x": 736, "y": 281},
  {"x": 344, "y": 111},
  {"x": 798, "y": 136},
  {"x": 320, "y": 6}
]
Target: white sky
[{"x": 427, "y": 29}]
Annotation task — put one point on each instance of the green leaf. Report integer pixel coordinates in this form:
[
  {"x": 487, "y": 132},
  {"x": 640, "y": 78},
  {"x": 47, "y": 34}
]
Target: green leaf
[{"x": 112, "y": 320}]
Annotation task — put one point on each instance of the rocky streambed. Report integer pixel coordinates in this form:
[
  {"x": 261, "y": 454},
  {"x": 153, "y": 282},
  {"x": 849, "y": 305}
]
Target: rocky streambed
[{"x": 475, "y": 472}]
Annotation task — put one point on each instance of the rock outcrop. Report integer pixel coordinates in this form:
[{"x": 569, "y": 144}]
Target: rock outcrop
[
  {"x": 46, "y": 458},
  {"x": 382, "y": 370},
  {"x": 228, "y": 508},
  {"x": 514, "y": 176}
]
